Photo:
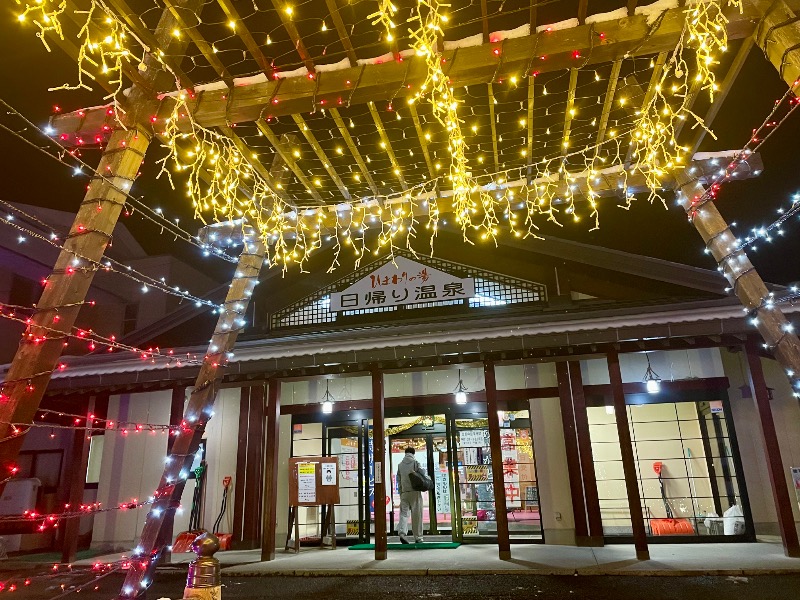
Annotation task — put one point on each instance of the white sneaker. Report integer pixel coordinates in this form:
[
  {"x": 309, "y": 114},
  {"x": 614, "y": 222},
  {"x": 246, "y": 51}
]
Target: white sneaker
[{"x": 418, "y": 541}]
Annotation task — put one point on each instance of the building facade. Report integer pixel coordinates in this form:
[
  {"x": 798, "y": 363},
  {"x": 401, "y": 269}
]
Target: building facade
[{"x": 557, "y": 393}]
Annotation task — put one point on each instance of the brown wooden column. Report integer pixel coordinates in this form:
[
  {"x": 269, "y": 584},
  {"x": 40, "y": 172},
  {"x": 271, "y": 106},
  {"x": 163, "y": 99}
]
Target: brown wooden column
[
  {"x": 586, "y": 455},
  {"x": 500, "y": 510},
  {"x": 772, "y": 452},
  {"x": 76, "y": 482},
  {"x": 379, "y": 456},
  {"x": 573, "y": 456},
  {"x": 240, "y": 478},
  {"x": 253, "y": 495},
  {"x": 270, "y": 510},
  {"x": 628, "y": 464}
]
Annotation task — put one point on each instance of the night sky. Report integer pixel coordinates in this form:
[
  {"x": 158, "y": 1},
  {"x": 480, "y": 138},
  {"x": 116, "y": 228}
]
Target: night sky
[{"x": 28, "y": 176}]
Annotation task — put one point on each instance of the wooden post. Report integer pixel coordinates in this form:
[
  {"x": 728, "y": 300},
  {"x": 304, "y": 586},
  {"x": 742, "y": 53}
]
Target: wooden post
[
  {"x": 78, "y": 462},
  {"x": 772, "y": 452},
  {"x": 573, "y": 457},
  {"x": 379, "y": 456},
  {"x": 586, "y": 456},
  {"x": 66, "y": 287},
  {"x": 270, "y": 510},
  {"x": 240, "y": 479},
  {"x": 198, "y": 412},
  {"x": 500, "y": 510},
  {"x": 628, "y": 464},
  {"x": 777, "y": 36},
  {"x": 742, "y": 276},
  {"x": 254, "y": 500}
]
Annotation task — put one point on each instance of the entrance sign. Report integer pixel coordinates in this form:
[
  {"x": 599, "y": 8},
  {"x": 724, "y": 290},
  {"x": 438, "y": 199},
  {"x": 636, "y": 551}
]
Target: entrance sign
[
  {"x": 306, "y": 483},
  {"x": 473, "y": 438},
  {"x": 442, "y": 492},
  {"x": 402, "y": 282}
]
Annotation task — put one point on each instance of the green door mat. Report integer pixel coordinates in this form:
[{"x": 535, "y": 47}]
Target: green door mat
[{"x": 420, "y": 546}]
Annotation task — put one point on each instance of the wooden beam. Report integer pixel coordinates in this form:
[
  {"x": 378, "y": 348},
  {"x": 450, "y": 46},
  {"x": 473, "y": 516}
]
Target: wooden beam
[
  {"x": 492, "y": 119},
  {"x": 341, "y": 31},
  {"x": 288, "y": 24},
  {"x": 632, "y": 7},
  {"x": 244, "y": 34},
  {"x": 326, "y": 163},
  {"x": 777, "y": 37},
  {"x": 422, "y": 141},
  {"x": 469, "y": 66},
  {"x": 772, "y": 451},
  {"x": 387, "y": 145},
  {"x": 485, "y": 21},
  {"x": 628, "y": 460},
  {"x": 721, "y": 94},
  {"x": 286, "y": 154},
  {"x": 649, "y": 94},
  {"x": 583, "y": 7},
  {"x": 351, "y": 145},
  {"x": 608, "y": 102},
  {"x": 197, "y": 413},
  {"x": 570, "y": 110},
  {"x": 744, "y": 280},
  {"x": 529, "y": 123},
  {"x": 198, "y": 40},
  {"x": 254, "y": 161}
]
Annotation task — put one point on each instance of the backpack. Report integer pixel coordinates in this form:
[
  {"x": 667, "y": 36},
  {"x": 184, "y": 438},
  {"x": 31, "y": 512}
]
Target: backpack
[{"x": 420, "y": 482}]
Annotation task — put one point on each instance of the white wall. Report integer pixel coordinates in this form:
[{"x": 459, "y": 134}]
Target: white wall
[
  {"x": 132, "y": 465},
  {"x": 670, "y": 365},
  {"x": 552, "y": 475}
]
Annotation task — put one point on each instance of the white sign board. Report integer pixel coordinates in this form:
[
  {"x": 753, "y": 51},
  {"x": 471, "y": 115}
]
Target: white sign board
[
  {"x": 328, "y": 473},
  {"x": 442, "y": 492},
  {"x": 402, "y": 282},
  {"x": 306, "y": 482},
  {"x": 473, "y": 438}
]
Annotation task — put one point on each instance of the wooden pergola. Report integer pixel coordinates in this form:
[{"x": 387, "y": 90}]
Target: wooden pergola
[{"x": 346, "y": 133}]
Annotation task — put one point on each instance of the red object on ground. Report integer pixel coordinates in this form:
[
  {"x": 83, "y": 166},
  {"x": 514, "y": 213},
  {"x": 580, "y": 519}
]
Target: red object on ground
[
  {"x": 671, "y": 527},
  {"x": 183, "y": 543}
]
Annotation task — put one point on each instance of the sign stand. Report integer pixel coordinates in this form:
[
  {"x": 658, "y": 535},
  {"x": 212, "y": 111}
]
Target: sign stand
[{"x": 313, "y": 481}]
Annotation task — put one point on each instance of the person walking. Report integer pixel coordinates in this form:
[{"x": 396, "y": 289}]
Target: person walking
[{"x": 410, "y": 499}]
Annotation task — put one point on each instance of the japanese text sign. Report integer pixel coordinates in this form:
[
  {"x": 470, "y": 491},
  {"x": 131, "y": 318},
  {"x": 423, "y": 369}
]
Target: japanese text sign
[{"x": 402, "y": 282}]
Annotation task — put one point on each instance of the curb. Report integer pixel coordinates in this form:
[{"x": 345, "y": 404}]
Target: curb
[{"x": 583, "y": 572}]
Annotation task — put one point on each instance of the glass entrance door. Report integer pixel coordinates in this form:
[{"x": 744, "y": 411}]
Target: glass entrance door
[{"x": 429, "y": 437}]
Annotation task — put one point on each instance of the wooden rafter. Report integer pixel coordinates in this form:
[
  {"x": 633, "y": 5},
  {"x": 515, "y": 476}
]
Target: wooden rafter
[
  {"x": 244, "y": 34},
  {"x": 485, "y": 21},
  {"x": 387, "y": 145},
  {"x": 294, "y": 34},
  {"x": 533, "y": 17},
  {"x": 326, "y": 163},
  {"x": 206, "y": 49},
  {"x": 632, "y": 7},
  {"x": 468, "y": 66},
  {"x": 257, "y": 165},
  {"x": 649, "y": 94},
  {"x": 341, "y": 31},
  {"x": 287, "y": 156},
  {"x": 722, "y": 93},
  {"x": 613, "y": 79},
  {"x": 529, "y": 123},
  {"x": 569, "y": 113},
  {"x": 492, "y": 120},
  {"x": 583, "y": 7},
  {"x": 423, "y": 142},
  {"x": 351, "y": 145},
  {"x": 124, "y": 11}
]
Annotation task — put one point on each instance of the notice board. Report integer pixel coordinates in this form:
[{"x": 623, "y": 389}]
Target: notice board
[{"x": 313, "y": 480}]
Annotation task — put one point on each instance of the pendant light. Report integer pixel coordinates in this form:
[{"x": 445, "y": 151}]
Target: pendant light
[
  {"x": 651, "y": 379},
  {"x": 327, "y": 399},
  {"x": 460, "y": 391}
]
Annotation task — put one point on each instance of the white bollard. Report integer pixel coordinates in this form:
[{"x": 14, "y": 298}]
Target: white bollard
[{"x": 203, "y": 581}]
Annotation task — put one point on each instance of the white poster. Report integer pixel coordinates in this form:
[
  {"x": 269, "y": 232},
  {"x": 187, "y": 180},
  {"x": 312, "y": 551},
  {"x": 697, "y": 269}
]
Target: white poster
[
  {"x": 402, "y": 282},
  {"x": 306, "y": 482},
  {"x": 442, "y": 492},
  {"x": 328, "y": 473},
  {"x": 473, "y": 438}
]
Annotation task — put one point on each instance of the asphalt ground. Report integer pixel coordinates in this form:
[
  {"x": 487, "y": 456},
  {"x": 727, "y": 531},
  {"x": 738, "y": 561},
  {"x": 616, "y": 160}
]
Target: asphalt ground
[{"x": 83, "y": 585}]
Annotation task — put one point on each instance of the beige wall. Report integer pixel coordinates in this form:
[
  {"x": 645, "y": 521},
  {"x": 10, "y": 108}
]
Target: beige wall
[{"x": 786, "y": 415}]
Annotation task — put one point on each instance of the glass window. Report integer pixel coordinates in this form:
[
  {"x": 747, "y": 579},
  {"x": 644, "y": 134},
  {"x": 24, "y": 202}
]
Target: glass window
[{"x": 687, "y": 479}]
